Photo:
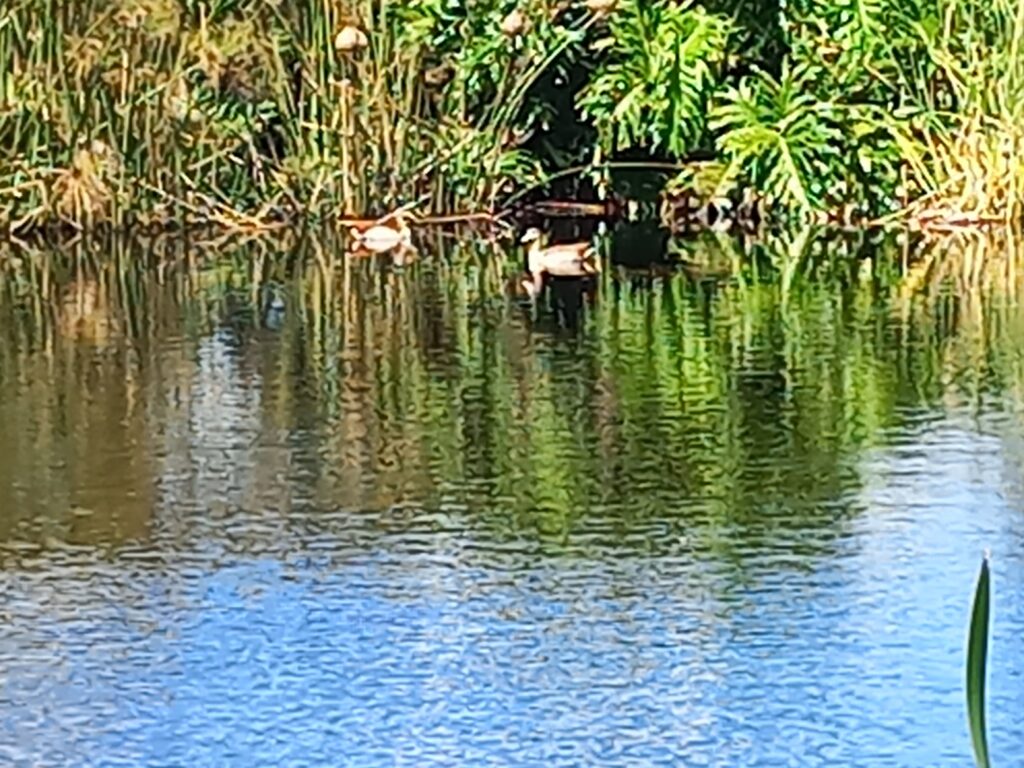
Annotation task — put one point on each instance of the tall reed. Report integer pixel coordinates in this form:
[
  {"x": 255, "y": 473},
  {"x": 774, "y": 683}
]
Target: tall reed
[
  {"x": 962, "y": 138},
  {"x": 977, "y": 656},
  {"x": 243, "y": 112}
]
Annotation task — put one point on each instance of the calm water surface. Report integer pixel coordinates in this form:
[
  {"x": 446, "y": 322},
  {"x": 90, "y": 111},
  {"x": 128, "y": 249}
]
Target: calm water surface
[{"x": 254, "y": 516}]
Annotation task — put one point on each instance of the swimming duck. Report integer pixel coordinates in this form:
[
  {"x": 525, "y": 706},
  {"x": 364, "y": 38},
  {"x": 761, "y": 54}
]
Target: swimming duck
[
  {"x": 380, "y": 237},
  {"x": 561, "y": 259}
]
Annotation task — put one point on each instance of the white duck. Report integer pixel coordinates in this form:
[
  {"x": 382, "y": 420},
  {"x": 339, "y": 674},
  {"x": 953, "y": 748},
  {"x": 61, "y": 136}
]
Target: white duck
[{"x": 379, "y": 238}]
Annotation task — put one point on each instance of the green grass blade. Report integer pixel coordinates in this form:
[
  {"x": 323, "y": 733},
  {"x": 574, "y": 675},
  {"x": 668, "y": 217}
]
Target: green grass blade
[{"x": 977, "y": 653}]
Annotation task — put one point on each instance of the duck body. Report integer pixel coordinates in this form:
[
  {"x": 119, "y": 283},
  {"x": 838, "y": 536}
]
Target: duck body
[
  {"x": 561, "y": 260},
  {"x": 380, "y": 235},
  {"x": 380, "y": 238},
  {"x": 564, "y": 260},
  {"x": 569, "y": 260}
]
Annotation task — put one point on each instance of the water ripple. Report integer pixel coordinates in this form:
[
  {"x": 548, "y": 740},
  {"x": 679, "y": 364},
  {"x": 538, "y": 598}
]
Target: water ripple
[{"x": 725, "y": 528}]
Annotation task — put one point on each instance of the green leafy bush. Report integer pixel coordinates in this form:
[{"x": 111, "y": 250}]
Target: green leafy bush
[{"x": 659, "y": 63}]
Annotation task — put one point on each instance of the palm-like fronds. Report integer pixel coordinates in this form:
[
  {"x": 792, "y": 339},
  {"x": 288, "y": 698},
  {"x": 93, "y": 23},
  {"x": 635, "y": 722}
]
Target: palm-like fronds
[
  {"x": 780, "y": 137},
  {"x": 659, "y": 65}
]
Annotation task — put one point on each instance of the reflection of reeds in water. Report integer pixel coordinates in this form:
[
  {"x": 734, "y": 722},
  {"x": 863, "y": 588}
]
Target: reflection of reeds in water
[
  {"x": 971, "y": 285},
  {"x": 72, "y": 403},
  {"x": 701, "y": 403}
]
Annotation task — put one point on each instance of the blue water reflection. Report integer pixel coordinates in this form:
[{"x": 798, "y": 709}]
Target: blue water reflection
[
  {"x": 420, "y": 659},
  {"x": 703, "y": 528}
]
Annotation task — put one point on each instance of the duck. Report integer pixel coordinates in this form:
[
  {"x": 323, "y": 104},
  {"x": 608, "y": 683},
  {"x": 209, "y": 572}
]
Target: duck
[
  {"x": 561, "y": 260},
  {"x": 380, "y": 237}
]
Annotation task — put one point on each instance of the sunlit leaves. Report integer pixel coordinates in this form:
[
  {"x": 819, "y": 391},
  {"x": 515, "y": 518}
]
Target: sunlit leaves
[
  {"x": 658, "y": 64},
  {"x": 780, "y": 136}
]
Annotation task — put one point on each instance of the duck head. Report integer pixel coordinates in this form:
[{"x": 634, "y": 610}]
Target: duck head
[
  {"x": 531, "y": 239},
  {"x": 532, "y": 235}
]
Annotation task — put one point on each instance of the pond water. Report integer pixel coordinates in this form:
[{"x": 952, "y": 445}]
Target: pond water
[{"x": 261, "y": 505}]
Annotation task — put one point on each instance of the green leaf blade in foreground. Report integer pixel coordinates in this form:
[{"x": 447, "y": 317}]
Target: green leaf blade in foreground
[{"x": 977, "y": 653}]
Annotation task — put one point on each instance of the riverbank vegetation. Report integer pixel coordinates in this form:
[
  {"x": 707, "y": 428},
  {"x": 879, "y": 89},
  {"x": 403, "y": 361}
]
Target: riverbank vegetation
[{"x": 247, "y": 113}]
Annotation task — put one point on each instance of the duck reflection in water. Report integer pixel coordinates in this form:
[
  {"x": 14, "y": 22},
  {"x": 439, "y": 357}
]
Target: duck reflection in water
[
  {"x": 566, "y": 297},
  {"x": 566, "y": 273}
]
